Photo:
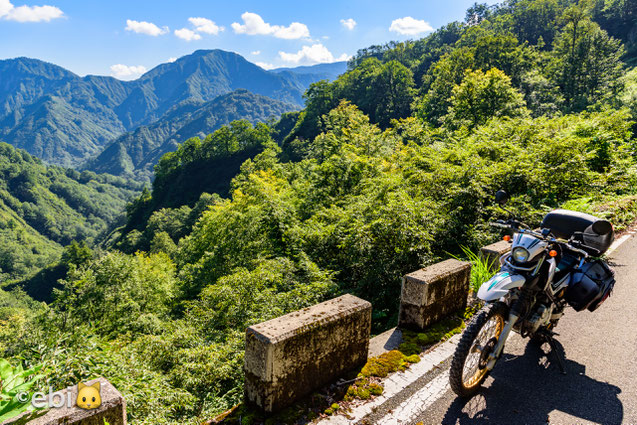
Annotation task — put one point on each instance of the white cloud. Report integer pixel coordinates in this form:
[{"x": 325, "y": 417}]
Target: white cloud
[
  {"x": 28, "y": 13},
  {"x": 266, "y": 66},
  {"x": 143, "y": 27},
  {"x": 410, "y": 26},
  {"x": 186, "y": 34},
  {"x": 294, "y": 31},
  {"x": 125, "y": 72},
  {"x": 348, "y": 23},
  {"x": 254, "y": 24},
  {"x": 5, "y": 7},
  {"x": 171, "y": 60},
  {"x": 206, "y": 26},
  {"x": 310, "y": 55},
  {"x": 256, "y": 52}
]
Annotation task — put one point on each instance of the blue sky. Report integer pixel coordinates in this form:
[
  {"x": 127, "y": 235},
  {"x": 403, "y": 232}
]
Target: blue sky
[{"x": 124, "y": 38}]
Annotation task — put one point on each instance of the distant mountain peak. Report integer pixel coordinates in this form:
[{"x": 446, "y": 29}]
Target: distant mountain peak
[{"x": 91, "y": 111}]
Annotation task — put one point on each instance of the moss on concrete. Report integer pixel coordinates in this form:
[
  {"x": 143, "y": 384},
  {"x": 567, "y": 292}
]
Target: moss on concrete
[
  {"x": 414, "y": 358},
  {"x": 366, "y": 385},
  {"x": 384, "y": 364},
  {"x": 415, "y": 342},
  {"x": 332, "y": 409},
  {"x": 375, "y": 389},
  {"x": 363, "y": 389}
]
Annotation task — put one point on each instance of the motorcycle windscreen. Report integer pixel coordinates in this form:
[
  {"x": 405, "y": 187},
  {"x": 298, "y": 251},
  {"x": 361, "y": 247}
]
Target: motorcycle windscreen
[{"x": 499, "y": 285}]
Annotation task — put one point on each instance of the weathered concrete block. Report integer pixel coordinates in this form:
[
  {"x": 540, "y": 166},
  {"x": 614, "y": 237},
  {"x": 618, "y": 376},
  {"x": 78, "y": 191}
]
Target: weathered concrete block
[
  {"x": 112, "y": 409},
  {"x": 432, "y": 293},
  {"x": 494, "y": 251},
  {"x": 288, "y": 357}
]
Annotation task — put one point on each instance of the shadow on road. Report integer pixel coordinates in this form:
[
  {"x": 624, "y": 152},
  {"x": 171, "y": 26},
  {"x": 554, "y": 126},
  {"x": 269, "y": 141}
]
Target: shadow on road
[{"x": 526, "y": 389}]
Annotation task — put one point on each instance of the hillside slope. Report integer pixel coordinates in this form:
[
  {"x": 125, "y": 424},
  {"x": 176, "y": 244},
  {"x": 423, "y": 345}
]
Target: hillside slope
[
  {"x": 135, "y": 153},
  {"x": 394, "y": 169},
  {"x": 44, "y": 207}
]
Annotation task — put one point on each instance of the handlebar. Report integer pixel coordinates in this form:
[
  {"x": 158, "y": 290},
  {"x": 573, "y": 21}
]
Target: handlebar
[
  {"x": 514, "y": 225},
  {"x": 577, "y": 250}
]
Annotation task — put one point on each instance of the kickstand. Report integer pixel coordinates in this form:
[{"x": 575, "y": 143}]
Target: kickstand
[{"x": 560, "y": 360}]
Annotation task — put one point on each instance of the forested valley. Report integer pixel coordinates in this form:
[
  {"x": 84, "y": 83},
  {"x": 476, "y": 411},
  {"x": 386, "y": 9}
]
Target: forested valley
[{"x": 390, "y": 167}]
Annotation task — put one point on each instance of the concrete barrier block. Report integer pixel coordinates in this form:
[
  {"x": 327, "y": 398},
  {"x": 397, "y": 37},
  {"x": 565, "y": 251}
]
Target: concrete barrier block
[
  {"x": 288, "y": 357},
  {"x": 432, "y": 293},
  {"x": 112, "y": 409},
  {"x": 494, "y": 251}
]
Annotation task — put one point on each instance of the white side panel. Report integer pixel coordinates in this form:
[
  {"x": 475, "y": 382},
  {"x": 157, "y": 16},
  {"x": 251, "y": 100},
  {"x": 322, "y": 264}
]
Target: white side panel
[{"x": 499, "y": 285}]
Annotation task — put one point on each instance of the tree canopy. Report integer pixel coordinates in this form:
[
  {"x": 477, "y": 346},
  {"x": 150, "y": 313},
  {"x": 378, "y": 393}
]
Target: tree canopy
[{"x": 365, "y": 184}]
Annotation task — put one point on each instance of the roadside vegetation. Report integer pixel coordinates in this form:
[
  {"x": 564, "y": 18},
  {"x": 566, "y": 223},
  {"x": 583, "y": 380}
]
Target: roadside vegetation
[{"x": 389, "y": 168}]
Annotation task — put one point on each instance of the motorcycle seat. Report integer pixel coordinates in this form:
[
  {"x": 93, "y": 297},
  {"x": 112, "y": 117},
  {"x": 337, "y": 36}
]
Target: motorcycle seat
[{"x": 594, "y": 234}]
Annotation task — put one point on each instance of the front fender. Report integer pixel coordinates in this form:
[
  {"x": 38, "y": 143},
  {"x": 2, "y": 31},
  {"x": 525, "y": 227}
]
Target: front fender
[{"x": 499, "y": 285}]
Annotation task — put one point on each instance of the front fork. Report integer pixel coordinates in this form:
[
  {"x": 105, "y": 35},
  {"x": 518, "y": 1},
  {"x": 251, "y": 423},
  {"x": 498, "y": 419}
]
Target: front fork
[
  {"x": 514, "y": 316},
  {"x": 495, "y": 354}
]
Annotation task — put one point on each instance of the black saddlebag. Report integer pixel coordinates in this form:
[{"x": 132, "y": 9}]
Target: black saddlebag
[{"x": 590, "y": 285}]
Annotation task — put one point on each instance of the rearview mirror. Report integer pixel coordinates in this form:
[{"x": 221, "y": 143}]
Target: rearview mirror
[{"x": 501, "y": 197}]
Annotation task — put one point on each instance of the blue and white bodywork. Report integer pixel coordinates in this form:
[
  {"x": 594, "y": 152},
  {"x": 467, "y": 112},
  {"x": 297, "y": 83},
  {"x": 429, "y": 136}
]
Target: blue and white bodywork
[{"x": 500, "y": 285}]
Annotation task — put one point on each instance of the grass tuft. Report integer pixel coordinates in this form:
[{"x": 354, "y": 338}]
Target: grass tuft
[{"x": 481, "y": 268}]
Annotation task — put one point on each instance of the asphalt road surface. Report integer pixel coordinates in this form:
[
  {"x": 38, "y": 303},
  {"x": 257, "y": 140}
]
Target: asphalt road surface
[{"x": 526, "y": 386}]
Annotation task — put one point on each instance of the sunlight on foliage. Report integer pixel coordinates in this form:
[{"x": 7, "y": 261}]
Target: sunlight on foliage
[{"x": 389, "y": 168}]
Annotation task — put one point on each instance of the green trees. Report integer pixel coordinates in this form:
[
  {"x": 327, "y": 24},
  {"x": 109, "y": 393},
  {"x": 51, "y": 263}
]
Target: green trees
[
  {"x": 271, "y": 289},
  {"x": 383, "y": 91},
  {"x": 194, "y": 155},
  {"x": 536, "y": 20},
  {"x": 44, "y": 207},
  {"x": 554, "y": 51},
  {"x": 394, "y": 88},
  {"x": 629, "y": 96},
  {"x": 542, "y": 95},
  {"x": 586, "y": 61},
  {"x": 478, "y": 48},
  {"x": 619, "y": 18},
  {"x": 181, "y": 177},
  {"x": 388, "y": 169},
  {"x": 482, "y": 96},
  {"x": 119, "y": 294}
]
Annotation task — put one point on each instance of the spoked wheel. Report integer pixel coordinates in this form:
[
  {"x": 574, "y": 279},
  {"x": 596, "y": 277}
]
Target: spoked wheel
[{"x": 468, "y": 367}]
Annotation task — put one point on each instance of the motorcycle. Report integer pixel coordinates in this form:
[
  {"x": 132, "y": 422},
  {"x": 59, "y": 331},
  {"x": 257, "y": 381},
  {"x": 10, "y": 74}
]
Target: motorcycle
[{"x": 545, "y": 271}]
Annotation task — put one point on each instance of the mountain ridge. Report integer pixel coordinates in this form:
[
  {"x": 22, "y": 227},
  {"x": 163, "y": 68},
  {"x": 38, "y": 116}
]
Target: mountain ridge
[
  {"x": 135, "y": 153},
  {"x": 66, "y": 119}
]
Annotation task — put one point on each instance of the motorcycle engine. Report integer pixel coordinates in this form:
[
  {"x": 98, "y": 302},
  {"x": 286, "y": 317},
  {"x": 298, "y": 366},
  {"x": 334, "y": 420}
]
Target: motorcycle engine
[{"x": 541, "y": 317}]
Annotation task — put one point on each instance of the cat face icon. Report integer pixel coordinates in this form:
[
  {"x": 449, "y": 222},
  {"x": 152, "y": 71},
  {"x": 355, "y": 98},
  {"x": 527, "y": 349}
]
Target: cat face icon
[{"x": 88, "y": 396}]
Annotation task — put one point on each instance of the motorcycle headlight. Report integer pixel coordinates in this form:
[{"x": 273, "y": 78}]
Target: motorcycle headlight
[{"x": 520, "y": 255}]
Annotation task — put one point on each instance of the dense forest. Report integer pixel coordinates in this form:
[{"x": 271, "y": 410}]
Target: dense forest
[
  {"x": 43, "y": 208},
  {"x": 134, "y": 154},
  {"x": 390, "y": 167}
]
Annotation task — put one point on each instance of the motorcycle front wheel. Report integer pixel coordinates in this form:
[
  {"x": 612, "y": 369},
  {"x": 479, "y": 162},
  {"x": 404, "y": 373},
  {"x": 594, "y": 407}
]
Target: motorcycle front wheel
[{"x": 468, "y": 366}]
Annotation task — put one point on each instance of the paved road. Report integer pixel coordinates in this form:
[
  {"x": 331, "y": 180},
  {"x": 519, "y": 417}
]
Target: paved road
[{"x": 601, "y": 359}]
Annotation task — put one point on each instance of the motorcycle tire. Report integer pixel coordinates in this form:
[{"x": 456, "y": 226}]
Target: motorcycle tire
[{"x": 468, "y": 371}]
